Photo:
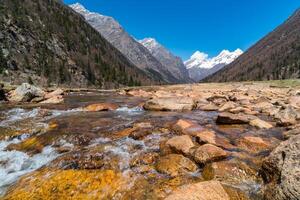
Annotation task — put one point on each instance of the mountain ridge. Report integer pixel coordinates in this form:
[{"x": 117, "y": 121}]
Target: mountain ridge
[
  {"x": 132, "y": 49},
  {"x": 275, "y": 56}
]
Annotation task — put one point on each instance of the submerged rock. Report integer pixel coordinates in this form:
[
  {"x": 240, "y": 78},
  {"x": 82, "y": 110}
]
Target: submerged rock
[
  {"x": 281, "y": 171},
  {"x": 169, "y": 104},
  {"x": 253, "y": 144},
  {"x": 175, "y": 164},
  {"x": 207, "y": 190},
  {"x": 67, "y": 184}
]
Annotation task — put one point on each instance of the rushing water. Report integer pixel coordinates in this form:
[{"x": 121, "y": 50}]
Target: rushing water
[{"x": 76, "y": 129}]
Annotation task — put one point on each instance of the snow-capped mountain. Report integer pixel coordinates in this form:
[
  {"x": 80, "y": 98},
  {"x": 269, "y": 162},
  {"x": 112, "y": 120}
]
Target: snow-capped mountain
[
  {"x": 173, "y": 63},
  {"x": 140, "y": 56},
  {"x": 201, "y": 66}
]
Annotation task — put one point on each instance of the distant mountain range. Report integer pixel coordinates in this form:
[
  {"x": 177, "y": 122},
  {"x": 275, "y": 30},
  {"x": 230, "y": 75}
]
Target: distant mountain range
[
  {"x": 173, "y": 63},
  {"x": 201, "y": 66},
  {"x": 276, "y": 56},
  {"x": 161, "y": 65}
]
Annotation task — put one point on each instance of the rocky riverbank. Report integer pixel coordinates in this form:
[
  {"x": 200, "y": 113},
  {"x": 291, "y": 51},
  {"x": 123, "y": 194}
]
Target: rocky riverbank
[{"x": 202, "y": 141}]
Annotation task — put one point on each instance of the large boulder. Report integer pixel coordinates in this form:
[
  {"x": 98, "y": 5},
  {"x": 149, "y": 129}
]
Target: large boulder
[
  {"x": 208, "y": 153},
  {"x": 55, "y": 93},
  {"x": 281, "y": 171},
  {"x": 181, "y": 144},
  {"x": 207, "y": 190},
  {"x": 169, "y": 104},
  {"x": 175, "y": 164},
  {"x": 25, "y": 93}
]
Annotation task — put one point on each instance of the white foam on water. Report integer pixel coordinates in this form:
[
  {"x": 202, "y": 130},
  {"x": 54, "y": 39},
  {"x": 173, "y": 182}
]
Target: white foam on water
[
  {"x": 131, "y": 111},
  {"x": 14, "y": 164},
  {"x": 18, "y": 114}
]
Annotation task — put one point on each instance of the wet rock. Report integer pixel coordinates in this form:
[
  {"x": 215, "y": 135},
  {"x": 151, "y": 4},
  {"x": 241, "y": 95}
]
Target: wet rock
[
  {"x": 235, "y": 193},
  {"x": 68, "y": 184},
  {"x": 281, "y": 171},
  {"x": 31, "y": 146},
  {"x": 290, "y": 133},
  {"x": 25, "y": 93},
  {"x": 231, "y": 172},
  {"x": 229, "y": 118},
  {"x": 138, "y": 134},
  {"x": 260, "y": 124},
  {"x": 253, "y": 144},
  {"x": 101, "y": 107},
  {"x": 175, "y": 164},
  {"x": 54, "y": 100},
  {"x": 57, "y": 92},
  {"x": 187, "y": 127},
  {"x": 210, "y": 137},
  {"x": 287, "y": 116},
  {"x": 169, "y": 104},
  {"x": 207, "y": 190},
  {"x": 181, "y": 144},
  {"x": 208, "y": 153},
  {"x": 208, "y": 107},
  {"x": 144, "y": 159},
  {"x": 242, "y": 110},
  {"x": 228, "y": 106}
]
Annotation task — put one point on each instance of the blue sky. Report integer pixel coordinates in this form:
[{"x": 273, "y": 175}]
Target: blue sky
[{"x": 184, "y": 26}]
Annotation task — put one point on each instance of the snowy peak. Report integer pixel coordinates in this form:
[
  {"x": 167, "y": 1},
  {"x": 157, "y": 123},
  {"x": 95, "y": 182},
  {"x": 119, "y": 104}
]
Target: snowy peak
[
  {"x": 150, "y": 43},
  {"x": 202, "y": 60}
]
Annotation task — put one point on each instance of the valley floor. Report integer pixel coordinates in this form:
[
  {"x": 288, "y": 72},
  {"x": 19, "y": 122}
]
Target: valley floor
[{"x": 220, "y": 141}]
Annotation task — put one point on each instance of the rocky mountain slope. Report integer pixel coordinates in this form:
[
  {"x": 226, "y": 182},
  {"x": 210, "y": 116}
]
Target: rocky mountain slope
[
  {"x": 46, "y": 42},
  {"x": 201, "y": 66},
  {"x": 173, "y": 63},
  {"x": 276, "y": 56},
  {"x": 131, "y": 48}
]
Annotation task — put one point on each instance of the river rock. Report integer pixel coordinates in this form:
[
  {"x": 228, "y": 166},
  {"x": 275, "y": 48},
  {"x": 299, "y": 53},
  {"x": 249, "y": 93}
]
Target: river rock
[
  {"x": 260, "y": 124},
  {"x": 287, "y": 116},
  {"x": 208, "y": 153},
  {"x": 181, "y": 144},
  {"x": 101, "y": 107},
  {"x": 207, "y": 190},
  {"x": 169, "y": 104},
  {"x": 210, "y": 137},
  {"x": 25, "y": 93},
  {"x": 281, "y": 171},
  {"x": 290, "y": 133},
  {"x": 253, "y": 144},
  {"x": 230, "y": 172},
  {"x": 175, "y": 164},
  {"x": 208, "y": 107},
  {"x": 54, "y": 100},
  {"x": 57, "y": 92},
  {"x": 228, "y": 106},
  {"x": 229, "y": 118}
]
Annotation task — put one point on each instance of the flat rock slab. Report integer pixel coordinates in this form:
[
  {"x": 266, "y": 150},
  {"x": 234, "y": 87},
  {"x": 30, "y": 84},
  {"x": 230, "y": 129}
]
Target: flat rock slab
[
  {"x": 207, "y": 190},
  {"x": 229, "y": 118},
  {"x": 170, "y": 104}
]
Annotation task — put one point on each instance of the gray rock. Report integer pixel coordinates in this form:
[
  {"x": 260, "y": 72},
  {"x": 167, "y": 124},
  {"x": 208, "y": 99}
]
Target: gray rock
[
  {"x": 281, "y": 171},
  {"x": 169, "y": 104},
  {"x": 25, "y": 93}
]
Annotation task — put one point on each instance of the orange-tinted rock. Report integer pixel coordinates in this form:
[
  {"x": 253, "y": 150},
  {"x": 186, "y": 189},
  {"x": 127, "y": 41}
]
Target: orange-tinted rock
[
  {"x": 229, "y": 118},
  {"x": 67, "y": 184},
  {"x": 260, "y": 124},
  {"x": 57, "y": 92},
  {"x": 208, "y": 153},
  {"x": 175, "y": 164},
  {"x": 181, "y": 144},
  {"x": 101, "y": 107},
  {"x": 207, "y": 190},
  {"x": 253, "y": 144}
]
